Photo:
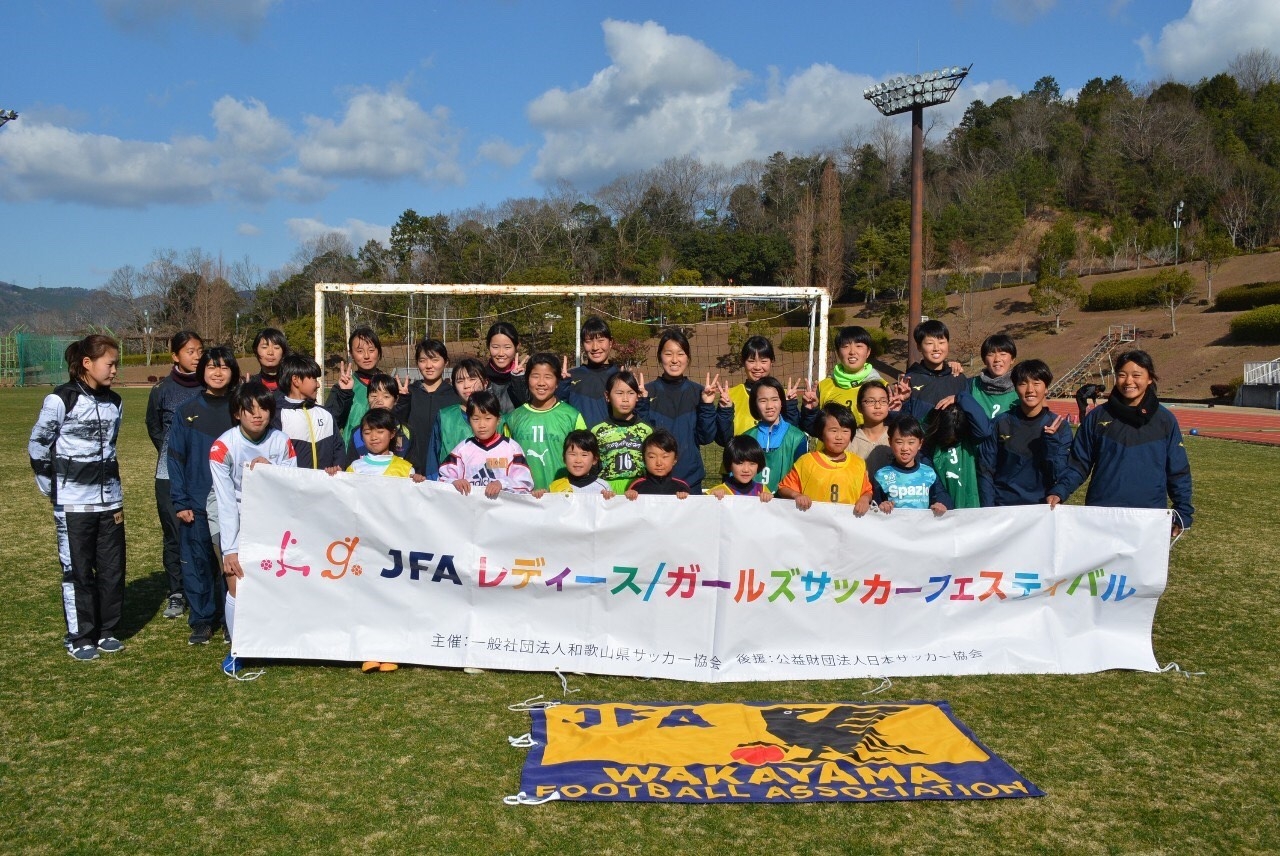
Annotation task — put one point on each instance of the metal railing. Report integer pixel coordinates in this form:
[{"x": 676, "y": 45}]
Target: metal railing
[
  {"x": 1117, "y": 334},
  {"x": 1259, "y": 373}
]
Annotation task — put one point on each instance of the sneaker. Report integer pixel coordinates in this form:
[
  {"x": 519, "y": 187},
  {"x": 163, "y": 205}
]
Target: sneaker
[
  {"x": 200, "y": 635},
  {"x": 388, "y": 667},
  {"x": 472, "y": 670},
  {"x": 231, "y": 665},
  {"x": 110, "y": 645},
  {"x": 176, "y": 606},
  {"x": 370, "y": 666},
  {"x": 84, "y": 652}
]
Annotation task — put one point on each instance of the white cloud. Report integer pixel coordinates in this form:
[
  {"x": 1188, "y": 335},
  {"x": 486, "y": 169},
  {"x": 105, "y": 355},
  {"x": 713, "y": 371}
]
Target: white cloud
[
  {"x": 383, "y": 136},
  {"x": 1211, "y": 34},
  {"x": 501, "y": 152},
  {"x": 43, "y": 161},
  {"x": 248, "y": 230},
  {"x": 666, "y": 95},
  {"x": 242, "y": 17},
  {"x": 358, "y": 232},
  {"x": 248, "y": 128}
]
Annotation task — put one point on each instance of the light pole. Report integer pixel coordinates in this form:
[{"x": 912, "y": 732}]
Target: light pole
[
  {"x": 237, "y": 343},
  {"x": 146, "y": 330},
  {"x": 1177, "y": 224},
  {"x": 912, "y": 93}
]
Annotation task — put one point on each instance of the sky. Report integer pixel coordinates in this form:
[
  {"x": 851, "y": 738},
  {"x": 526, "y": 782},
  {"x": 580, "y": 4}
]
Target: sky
[{"x": 246, "y": 127}]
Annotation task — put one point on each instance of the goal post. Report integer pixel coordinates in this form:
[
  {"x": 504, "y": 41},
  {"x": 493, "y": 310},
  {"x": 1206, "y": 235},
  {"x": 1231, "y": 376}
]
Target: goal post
[{"x": 549, "y": 317}]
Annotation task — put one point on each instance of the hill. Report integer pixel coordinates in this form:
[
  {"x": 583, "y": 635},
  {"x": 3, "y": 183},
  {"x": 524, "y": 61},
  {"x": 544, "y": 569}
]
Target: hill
[
  {"x": 1200, "y": 355},
  {"x": 43, "y": 309}
]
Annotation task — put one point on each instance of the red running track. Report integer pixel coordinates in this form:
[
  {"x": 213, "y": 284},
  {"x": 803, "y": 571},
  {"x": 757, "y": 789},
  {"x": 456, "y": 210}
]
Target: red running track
[{"x": 1228, "y": 423}]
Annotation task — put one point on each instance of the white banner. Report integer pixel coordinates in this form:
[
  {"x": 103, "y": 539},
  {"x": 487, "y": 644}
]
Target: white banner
[{"x": 361, "y": 568}]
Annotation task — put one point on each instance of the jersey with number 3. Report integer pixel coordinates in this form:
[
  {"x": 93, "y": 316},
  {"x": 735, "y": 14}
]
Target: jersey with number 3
[
  {"x": 824, "y": 480},
  {"x": 541, "y": 434}
]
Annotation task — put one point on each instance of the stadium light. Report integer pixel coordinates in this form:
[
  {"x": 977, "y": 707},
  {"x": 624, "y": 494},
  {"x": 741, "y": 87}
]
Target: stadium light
[
  {"x": 912, "y": 93},
  {"x": 7, "y": 116},
  {"x": 1177, "y": 226}
]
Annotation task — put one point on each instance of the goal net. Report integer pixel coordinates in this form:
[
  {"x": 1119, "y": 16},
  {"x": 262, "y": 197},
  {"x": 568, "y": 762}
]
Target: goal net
[{"x": 549, "y": 317}]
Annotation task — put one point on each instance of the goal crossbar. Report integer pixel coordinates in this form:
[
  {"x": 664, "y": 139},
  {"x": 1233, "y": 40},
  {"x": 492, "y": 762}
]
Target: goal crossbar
[{"x": 819, "y": 301}]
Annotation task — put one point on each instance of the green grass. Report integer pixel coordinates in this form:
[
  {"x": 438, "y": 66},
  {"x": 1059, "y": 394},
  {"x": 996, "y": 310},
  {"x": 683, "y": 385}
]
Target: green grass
[{"x": 154, "y": 749}]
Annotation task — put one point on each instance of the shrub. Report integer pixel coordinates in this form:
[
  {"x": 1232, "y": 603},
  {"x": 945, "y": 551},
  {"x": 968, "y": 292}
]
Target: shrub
[
  {"x": 1227, "y": 390},
  {"x": 795, "y": 341},
  {"x": 879, "y": 341},
  {"x": 1260, "y": 325},
  {"x": 627, "y": 332},
  {"x": 1249, "y": 296},
  {"x": 835, "y": 317},
  {"x": 1125, "y": 293}
]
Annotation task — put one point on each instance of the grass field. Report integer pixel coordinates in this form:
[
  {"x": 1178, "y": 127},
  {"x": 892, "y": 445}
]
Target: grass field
[{"x": 155, "y": 750}]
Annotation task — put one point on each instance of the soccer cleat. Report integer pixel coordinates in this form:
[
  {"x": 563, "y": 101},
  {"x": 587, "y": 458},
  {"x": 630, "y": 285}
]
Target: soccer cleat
[
  {"x": 388, "y": 667},
  {"x": 370, "y": 666},
  {"x": 176, "y": 606},
  {"x": 231, "y": 665},
  {"x": 200, "y": 635},
  {"x": 110, "y": 645},
  {"x": 84, "y": 653}
]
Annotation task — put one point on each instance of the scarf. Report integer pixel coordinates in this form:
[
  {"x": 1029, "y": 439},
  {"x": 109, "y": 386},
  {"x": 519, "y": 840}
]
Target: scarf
[
  {"x": 994, "y": 385},
  {"x": 184, "y": 379},
  {"x": 497, "y": 375},
  {"x": 846, "y": 379},
  {"x": 1134, "y": 415},
  {"x": 586, "y": 478}
]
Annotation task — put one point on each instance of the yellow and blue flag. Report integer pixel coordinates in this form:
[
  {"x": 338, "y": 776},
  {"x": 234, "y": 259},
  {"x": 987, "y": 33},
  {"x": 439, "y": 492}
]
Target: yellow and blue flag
[{"x": 762, "y": 752}]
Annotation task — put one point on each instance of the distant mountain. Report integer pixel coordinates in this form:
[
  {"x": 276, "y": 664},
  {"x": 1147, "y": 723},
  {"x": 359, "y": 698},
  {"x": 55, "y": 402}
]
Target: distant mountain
[{"x": 45, "y": 309}]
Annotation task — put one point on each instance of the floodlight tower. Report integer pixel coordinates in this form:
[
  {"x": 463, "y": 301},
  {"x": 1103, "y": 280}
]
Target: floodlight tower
[
  {"x": 913, "y": 93},
  {"x": 7, "y": 116}
]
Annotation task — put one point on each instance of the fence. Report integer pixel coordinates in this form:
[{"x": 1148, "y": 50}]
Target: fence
[
  {"x": 1260, "y": 373},
  {"x": 31, "y": 359}
]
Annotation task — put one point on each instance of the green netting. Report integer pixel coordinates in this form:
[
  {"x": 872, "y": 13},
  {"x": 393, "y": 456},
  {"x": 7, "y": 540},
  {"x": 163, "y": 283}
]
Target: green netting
[{"x": 31, "y": 359}]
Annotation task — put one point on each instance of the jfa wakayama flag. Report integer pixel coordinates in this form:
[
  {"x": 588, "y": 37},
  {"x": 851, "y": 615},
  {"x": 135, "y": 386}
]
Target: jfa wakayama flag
[
  {"x": 761, "y": 752},
  {"x": 366, "y": 568}
]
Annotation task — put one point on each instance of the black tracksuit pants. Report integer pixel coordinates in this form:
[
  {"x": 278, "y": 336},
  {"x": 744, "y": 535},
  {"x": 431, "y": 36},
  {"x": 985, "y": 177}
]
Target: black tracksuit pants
[
  {"x": 169, "y": 533},
  {"x": 91, "y": 553}
]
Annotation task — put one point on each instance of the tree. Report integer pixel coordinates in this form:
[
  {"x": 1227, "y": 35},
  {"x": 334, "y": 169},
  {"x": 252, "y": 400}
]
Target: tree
[
  {"x": 830, "y": 234},
  {"x": 1053, "y": 293},
  {"x": 1254, "y": 69},
  {"x": 1175, "y": 288},
  {"x": 802, "y": 239},
  {"x": 1212, "y": 248}
]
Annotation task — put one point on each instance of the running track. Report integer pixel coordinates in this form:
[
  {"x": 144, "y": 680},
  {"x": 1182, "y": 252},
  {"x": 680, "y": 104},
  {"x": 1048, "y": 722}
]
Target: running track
[{"x": 1252, "y": 425}]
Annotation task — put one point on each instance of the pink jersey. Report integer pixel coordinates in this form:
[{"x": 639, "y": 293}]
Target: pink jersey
[{"x": 500, "y": 460}]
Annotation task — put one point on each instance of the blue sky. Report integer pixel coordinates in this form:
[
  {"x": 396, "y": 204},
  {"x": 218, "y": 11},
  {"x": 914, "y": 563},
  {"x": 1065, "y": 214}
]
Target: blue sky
[{"x": 245, "y": 127}]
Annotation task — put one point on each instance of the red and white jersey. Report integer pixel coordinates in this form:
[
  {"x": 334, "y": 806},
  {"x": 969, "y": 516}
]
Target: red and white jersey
[
  {"x": 501, "y": 460},
  {"x": 228, "y": 457}
]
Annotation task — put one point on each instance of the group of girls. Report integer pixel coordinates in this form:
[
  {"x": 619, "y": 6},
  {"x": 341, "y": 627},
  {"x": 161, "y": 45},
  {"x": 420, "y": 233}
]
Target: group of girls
[{"x": 537, "y": 425}]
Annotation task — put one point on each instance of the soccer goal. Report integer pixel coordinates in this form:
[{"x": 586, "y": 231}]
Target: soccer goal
[{"x": 717, "y": 321}]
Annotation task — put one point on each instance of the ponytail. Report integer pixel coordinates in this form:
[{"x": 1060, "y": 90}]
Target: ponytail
[{"x": 90, "y": 347}]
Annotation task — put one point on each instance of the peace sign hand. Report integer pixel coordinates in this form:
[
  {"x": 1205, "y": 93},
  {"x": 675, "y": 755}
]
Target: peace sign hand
[
  {"x": 642, "y": 392},
  {"x": 794, "y": 387},
  {"x": 402, "y": 383},
  {"x": 1053, "y": 426},
  {"x": 725, "y": 399},
  {"x": 564, "y": 368},
  {"x": 517, "y": 367},
  {"x": 810, "y": 397},
  {"x": 711, "y": 389},
  {"x": 345, "y": 379}
]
